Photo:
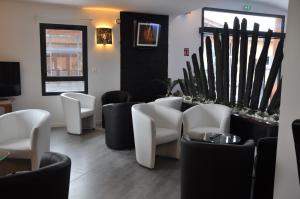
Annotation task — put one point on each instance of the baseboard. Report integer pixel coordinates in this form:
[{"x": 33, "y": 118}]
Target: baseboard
[{"x": 62, "y": 124}]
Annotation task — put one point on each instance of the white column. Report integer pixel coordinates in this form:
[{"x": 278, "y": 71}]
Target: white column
[{"x": 286, "y": 179}]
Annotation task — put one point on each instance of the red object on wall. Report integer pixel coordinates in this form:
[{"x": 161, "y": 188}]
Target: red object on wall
[{"x": 186, "y": 52}]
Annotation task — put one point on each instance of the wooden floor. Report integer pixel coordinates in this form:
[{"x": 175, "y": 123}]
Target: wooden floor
[{"x": 101, "y": 173}]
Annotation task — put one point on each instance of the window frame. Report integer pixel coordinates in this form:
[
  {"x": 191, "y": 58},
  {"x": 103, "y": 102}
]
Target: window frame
[
  {"x": 44, "y": 77},
  {"x": 243, "y": 13}
]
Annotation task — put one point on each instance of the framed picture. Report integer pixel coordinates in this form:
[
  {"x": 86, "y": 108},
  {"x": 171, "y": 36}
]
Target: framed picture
[{"x": 147, "y": 34}]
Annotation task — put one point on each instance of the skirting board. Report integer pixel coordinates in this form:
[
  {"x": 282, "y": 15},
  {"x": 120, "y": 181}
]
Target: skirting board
[{"x": 62, "y": 124}]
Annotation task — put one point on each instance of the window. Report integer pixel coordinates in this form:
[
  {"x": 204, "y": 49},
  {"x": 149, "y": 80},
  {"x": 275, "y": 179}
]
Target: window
[
  {"x": 63, "y": 58},
  {"x": 213, "y": 17}
]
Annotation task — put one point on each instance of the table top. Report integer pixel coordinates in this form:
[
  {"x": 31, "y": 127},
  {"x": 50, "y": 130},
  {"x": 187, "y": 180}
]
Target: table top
[
  {"x": 215, "y": 138},
  {"x": 3, "y": 154}
]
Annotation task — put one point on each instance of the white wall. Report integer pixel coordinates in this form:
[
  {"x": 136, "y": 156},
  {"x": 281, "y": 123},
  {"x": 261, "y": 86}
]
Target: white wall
[
  {"x": 286, "y": 182},
  {"x": 184, "y": 31},
  {"x": 19, "y": 41}
]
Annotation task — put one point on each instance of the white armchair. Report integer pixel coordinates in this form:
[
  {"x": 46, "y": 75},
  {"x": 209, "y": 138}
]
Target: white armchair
[
  {"x": 79, "y": 111},
  {"x": 157, "y": 130},
  {"x": 172, "y": 102},
  {"x": 212, "y": 118},
  {"x": 26, "y": 134}
]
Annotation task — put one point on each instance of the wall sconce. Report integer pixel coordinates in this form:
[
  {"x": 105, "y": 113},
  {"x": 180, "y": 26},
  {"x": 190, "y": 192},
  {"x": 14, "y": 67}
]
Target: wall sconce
[{"x": 104, "y": 36}]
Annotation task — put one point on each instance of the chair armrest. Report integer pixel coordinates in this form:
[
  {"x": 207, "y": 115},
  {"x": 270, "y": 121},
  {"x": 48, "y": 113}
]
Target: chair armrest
[
  {"x": 225, "y": 124},
  {"x": 143, "y": 127}
]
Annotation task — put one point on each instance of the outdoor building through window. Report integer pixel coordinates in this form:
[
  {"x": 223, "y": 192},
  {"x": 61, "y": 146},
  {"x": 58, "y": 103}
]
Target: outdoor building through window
[
  {"x": 63, "y": 58},
  {"x": 213, "y": 17}
]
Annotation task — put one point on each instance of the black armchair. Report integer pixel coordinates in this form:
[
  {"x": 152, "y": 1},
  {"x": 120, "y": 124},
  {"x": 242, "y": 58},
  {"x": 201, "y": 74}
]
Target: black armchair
[
  {"x": 213, "y": 171},
  {"x": 114, "y": 97},
  {"x": 118, "y": 125},
  {"x": 50, "y": 181},
  {"x": 265, "y": 168},
  {"x": 296, "y": 134}
]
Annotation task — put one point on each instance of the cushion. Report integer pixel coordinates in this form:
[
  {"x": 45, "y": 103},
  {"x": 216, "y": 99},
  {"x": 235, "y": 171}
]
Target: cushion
[
  {"x": 86, "y": 112},
  {"x": 18, "y": 148},
  {"x": 164, "y": 135}
]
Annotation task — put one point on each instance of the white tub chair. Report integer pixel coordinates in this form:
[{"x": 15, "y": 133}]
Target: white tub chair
[
  {"x": 157, "y": 130},
  {"x": 79, "y": 111},
  {"x": 25, "y": 134},
  {"x": 206, "y": 118},
  {"x": 172, "y": 102}
]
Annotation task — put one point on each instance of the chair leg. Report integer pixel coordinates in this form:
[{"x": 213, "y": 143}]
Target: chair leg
[{"x": 171, "y": 149}]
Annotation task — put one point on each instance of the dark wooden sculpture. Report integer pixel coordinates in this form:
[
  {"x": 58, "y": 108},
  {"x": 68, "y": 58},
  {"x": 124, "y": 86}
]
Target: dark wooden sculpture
[
  {"x": 272, "y": 76},
  {"x": 243, "y": 62},
  {"x": 260, "y": 72},
  {"x": 203, "y": 74},
  {"x": 235, "y": 56},
  {"x": 217, "y": 85},
  {"x": 219, "y": 67},
  {"x": 187, "y": 82},
  {"x": 183, "y": 87},
  {"x": 198, "y": 78},
  {"x": 251, "y": 65},
  {"x": 210, "y": 70},
  {"x": 194, "y": 90},
  {"x": 275, "y": 102},
  {"x": 225, "y": 59}
]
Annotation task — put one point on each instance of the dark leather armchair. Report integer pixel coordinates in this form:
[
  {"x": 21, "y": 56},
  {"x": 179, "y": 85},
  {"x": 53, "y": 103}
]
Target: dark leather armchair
[
  {"x": 118, "y": 125},
  {"x": 114, "y": 97},
  {"x": 265, "y": 168},
  {"x": 50, "y": 181},
  {"x": 296, "y": 133},
  {"x": 213, "y": 171}
]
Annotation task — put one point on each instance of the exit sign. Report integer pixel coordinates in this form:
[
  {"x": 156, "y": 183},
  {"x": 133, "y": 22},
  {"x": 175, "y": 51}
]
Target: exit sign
[{"x": 247, "y": 7}]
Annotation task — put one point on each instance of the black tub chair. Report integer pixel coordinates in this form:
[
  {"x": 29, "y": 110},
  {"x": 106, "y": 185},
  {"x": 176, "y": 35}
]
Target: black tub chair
[
  {"x": 212, "y": 171},
  {"x": 114, "y": 97},
  {"x": 50, "y": 181},
  {"x": 118, "y": 125},
  {"x": 265, "y": 168},
  {"x": 296, "y": 133}
]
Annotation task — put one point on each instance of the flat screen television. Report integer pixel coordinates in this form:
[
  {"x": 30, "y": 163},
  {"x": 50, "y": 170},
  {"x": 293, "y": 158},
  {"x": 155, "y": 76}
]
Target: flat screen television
[{"x": 10, "y": 84}]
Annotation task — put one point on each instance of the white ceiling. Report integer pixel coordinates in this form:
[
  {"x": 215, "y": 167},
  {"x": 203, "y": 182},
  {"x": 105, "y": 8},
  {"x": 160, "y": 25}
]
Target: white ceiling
[{"x": 154, "y": 6}]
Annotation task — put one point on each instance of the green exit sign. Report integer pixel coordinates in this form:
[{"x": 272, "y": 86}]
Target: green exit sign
[{"x": 247, "y": 7}]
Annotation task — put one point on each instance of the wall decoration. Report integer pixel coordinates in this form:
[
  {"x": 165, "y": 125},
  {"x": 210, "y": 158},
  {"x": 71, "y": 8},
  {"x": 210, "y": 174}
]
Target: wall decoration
[
  {"x": 104, "y": 36},
  {"x": 147, "y": 34}
]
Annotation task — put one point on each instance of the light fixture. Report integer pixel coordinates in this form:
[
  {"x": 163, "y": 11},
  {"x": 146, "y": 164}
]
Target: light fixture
[{"x": 104, "y": 36}]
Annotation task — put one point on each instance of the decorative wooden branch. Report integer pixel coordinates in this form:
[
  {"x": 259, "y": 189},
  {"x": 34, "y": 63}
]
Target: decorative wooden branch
[
  {"x": 251, "y": 65},
  {"x": 225, "y": 52},
  {"x": 198, "y": 78},
  {"x": 272, "y": 76},
  {"x": 182, "y": 87},
  {"x": 219, "y": 67},
  {"x": 243, "y": 62},
  {"x": 202, "y": 72},
  {"x": 260, "y": 72},
  {"x": 192, "y": 79},
  {"x": 210, "y": 70},
  {"x": 275, "y": 102},
  {"x": 187, "y": 82},
  {"x": 217, "y": 85},
  {"x": 235, "y": 56}
]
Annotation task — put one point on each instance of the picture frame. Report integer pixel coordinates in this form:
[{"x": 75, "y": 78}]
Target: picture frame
[{"x": 147, "y": 34}]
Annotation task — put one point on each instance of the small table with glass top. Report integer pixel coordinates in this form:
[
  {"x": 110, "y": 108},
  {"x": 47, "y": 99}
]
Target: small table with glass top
[
  {"x": 214, "y": 138},
  {"x": 12, "y": 165}
]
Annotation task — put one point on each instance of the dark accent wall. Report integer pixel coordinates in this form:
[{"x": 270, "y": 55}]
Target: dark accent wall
[{"x": 142, "y": 67}]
